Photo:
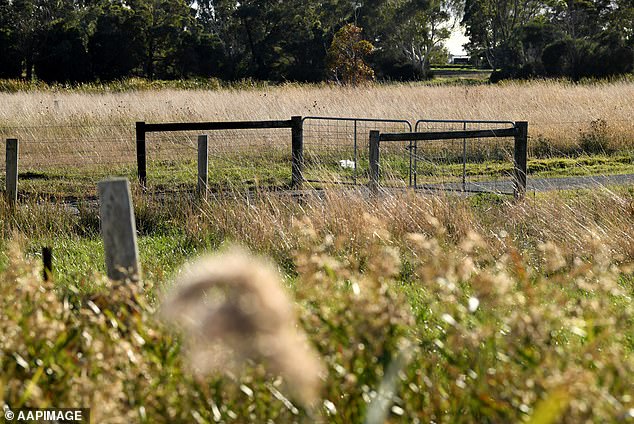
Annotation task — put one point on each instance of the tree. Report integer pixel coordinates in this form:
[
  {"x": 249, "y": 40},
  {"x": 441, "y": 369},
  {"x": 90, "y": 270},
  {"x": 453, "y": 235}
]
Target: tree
[
  {"x": 61, "y": 55},
  {"x": 420, "y": 30},
  {"x": 347, "y": 54},
  {"x": 10, "y": 66},
  {"x": 219, "y": 23},
  {"x": 29, "y": 18},
  {"x": 115, "y": 47},
  {"x": 494, "y": 29},
  {"x": 283, "y": 40},
  {"x": 160, "y": 25},
  {"x": 572, "y": 38}
]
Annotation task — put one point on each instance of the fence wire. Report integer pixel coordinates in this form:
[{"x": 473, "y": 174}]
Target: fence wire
[
  {"x": 472, "y": 165},
  {"x": 336, "y": 151},
  {"x": 238, "y": 159},
  {"x": 71, "y": 148},
  {"x": 71, "y": 159}
]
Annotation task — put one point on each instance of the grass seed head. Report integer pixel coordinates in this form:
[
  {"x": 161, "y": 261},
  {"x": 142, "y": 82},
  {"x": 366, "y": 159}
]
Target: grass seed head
[{"x": 233, "y": 309}]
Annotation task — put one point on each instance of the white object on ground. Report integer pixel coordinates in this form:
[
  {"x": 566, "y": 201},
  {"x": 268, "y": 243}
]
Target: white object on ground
[{"x": 345, "y": 163}]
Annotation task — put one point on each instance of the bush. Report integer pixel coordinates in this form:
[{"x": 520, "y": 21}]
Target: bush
[
  {"x": 347, "y": 56},
  {"x": 597, "y": 138}
]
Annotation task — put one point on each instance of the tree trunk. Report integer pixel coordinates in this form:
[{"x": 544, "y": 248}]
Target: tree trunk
[
  {"x": 29, "y": 68},
  {"x": 149, "y": 65},
  {"x": 257, "y": 60}
]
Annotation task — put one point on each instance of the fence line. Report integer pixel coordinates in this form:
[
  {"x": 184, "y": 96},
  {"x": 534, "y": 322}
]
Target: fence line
[
  {"x": 332, "y": 140},
  {"x": 518, "y": 130},
  {"x": 334, "y": 150},
  {"x": 295, "y": 124}
]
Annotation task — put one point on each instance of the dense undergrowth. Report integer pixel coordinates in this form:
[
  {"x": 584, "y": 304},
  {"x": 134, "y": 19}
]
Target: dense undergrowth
[{"x": 421, "y": 309}]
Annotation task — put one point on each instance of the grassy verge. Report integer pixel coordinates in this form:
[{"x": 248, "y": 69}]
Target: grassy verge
[
  {"x": 421, "y": 308},
  {"x": 484, "y": 309},
  {"x": 273, "y": 172}
]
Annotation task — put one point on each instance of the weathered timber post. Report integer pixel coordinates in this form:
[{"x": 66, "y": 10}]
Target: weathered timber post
[
  {"x": 297, "y": 177},
  {"x": 374, "y": 161},
  {"x": 141, "y": 158},
  {"x": 203, "y": 164},
  {"x": 118, "y": 229},
  {"x": 47, "y": 262},
  {"x": 520, "y": 157},
  {"x": 12, "y": 171}
]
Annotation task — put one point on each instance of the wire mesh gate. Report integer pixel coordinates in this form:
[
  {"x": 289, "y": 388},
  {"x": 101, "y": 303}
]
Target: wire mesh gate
[
  {"x": 336, "y": 151},
  {"x": 481, "y": 164},
  {"x": 323, "y": 150}
]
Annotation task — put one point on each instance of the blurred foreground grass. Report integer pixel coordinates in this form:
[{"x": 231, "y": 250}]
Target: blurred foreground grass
[{"x": 423, "y": 308}]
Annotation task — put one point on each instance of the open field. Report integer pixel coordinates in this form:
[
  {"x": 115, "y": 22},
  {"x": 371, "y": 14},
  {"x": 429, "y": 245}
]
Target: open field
[
  {"x": 557, "y": 111},
  {"x": 70, "y": 138},
  {"x": 420, "y": 308}
]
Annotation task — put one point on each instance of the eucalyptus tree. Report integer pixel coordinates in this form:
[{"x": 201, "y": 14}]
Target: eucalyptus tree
[
  {"x": 494, "y": 28},
  {"x": 421, "y": 28},
  {"x": 160, "y": 26}
]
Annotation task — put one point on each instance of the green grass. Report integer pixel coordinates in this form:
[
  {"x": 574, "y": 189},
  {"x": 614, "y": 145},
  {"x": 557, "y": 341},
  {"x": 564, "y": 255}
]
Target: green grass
[
  {"x": 273, "y": 172},
  {"x": 583, "y": 165},
  {"x": 594, "y": 165},
  {"x": 374, "y": 280},
  {"x": 77, "y": 258}
]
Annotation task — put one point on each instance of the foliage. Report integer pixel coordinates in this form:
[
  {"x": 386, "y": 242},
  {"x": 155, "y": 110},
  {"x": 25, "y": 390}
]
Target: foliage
[
  {"x": 62, "y": 57},
  {"x": 575, "y": 39},
  {"x": 114, "y": 47},
  {"x": 420, "y": 33},
  {"x": 347, "y": 56},
  {"x": 281, "y": 41},
  {"x": 597, "y": 138},
  {"x": 416, "y": 315}
]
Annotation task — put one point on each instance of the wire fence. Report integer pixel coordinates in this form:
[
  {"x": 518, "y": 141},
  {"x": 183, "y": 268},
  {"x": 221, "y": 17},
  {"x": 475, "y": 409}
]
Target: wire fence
[
  {"x": 71, "y": 147},
  {"x": 237, "y": 159},
  {"x": 336, "y": 150},
  {"x": 473, "y": 165},
  {"x": 72, "y": 158}
]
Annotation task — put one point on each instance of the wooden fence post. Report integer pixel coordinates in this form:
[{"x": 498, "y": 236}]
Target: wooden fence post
[
  {"x": 47, "y": 262},
  {"x": 12, "y": 171},
  {"x": 297, "y": 176},
  {"x": 141, "y": 158},
  {"x": 520, "y": 158},
  {"x": 118, "y": 229},
  {"x": 203, "y": 165},
  {"x": 374, "y": 161}
]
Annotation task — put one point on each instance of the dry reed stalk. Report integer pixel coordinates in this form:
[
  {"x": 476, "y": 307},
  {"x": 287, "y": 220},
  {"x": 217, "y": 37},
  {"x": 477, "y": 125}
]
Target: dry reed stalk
[{"x": 267, "y": 222}]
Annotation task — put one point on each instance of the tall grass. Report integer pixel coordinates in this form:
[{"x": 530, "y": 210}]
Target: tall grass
[
  {"x": 421, "y": 308},
  {"x": 556, "y": 110}
]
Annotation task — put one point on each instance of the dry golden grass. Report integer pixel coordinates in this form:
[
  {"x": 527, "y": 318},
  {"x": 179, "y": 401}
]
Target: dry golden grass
[
  {"x": 539, "y": 101},
  {"x": 507, "y": 309},
  {"x": 269, "y": 222},
  {"x": 235, "y": 309},
  {"x": 556, "y": 110}
]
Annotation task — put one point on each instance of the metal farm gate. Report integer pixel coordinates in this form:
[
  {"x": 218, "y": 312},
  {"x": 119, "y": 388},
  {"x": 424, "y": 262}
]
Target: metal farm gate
[
  {"x": 469, "y": 163},
  {"x": 336, "y": 151},
  {"x": 452, "y": 155},
  {"x": 300, "y": 152}
]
